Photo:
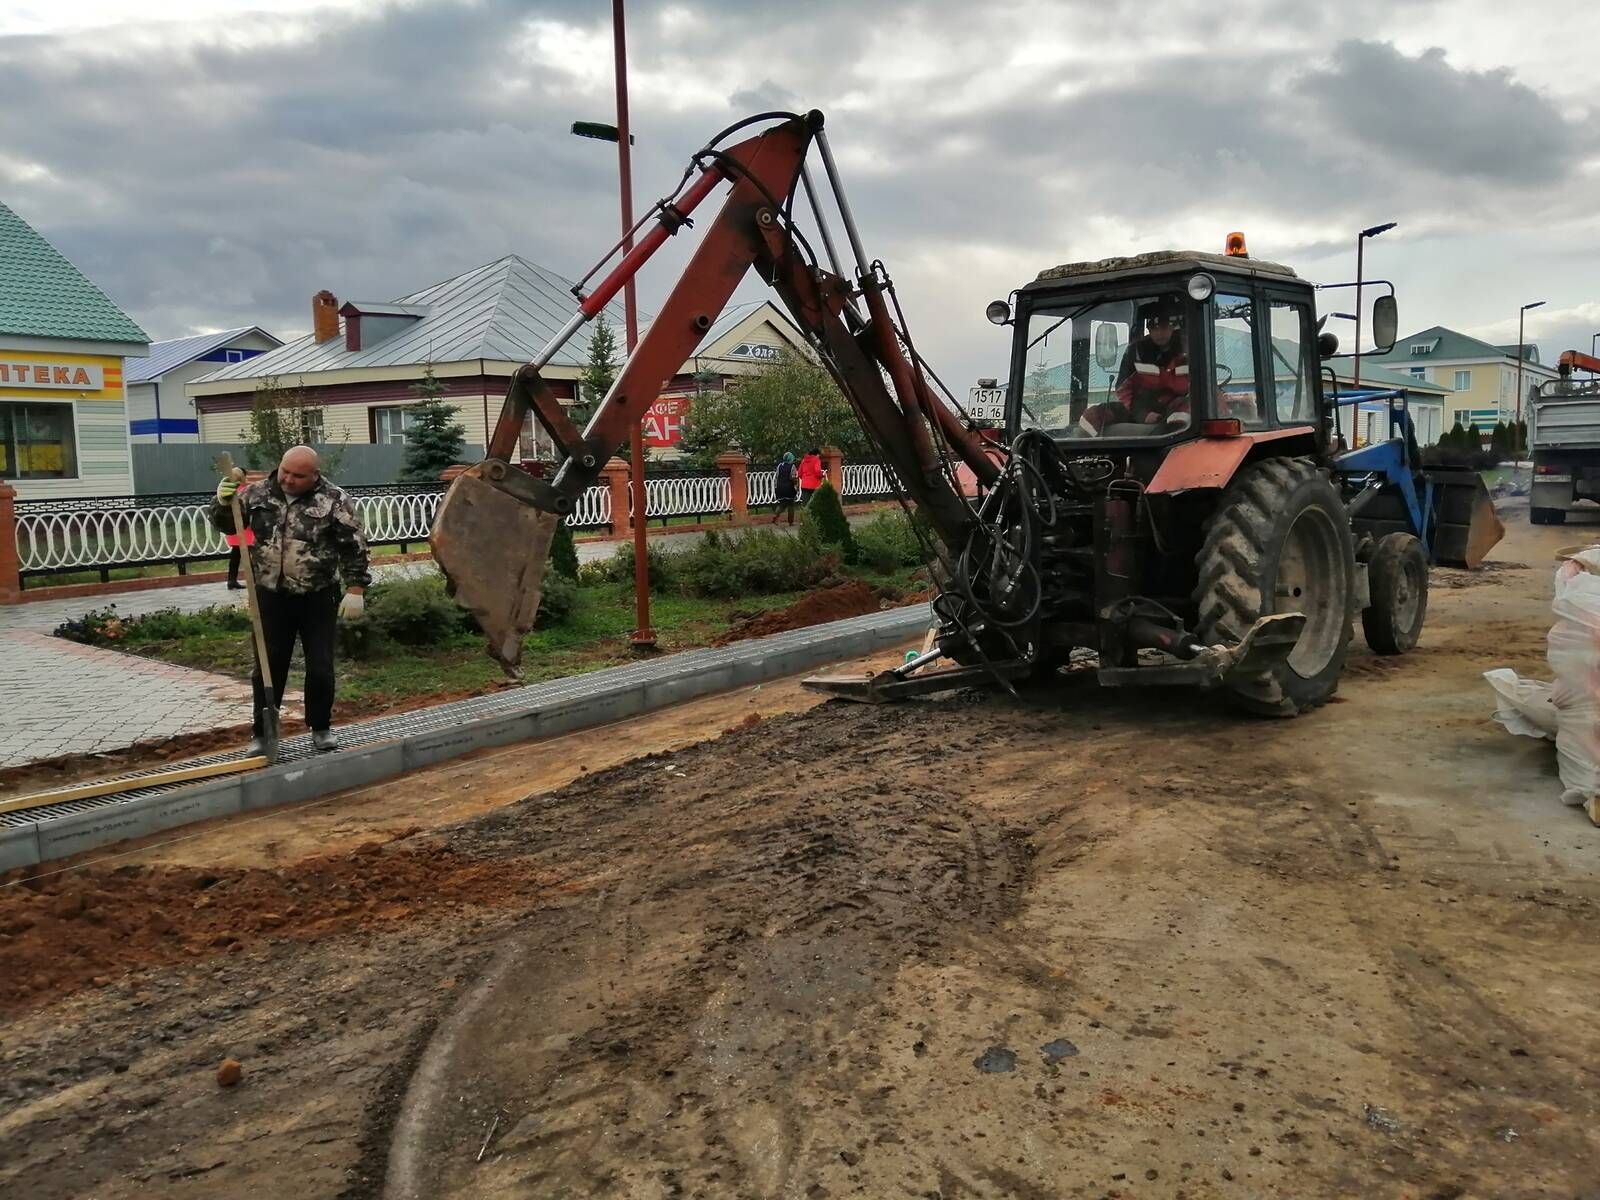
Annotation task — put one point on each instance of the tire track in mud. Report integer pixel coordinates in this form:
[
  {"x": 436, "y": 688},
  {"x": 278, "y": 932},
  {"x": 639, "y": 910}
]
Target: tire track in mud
[{"x": 670, "y": 1032}]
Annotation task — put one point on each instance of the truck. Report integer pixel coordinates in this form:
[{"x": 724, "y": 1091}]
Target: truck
[
  {"x": 1166, "y": 493},
  {"x": 1564, "y": 435}
]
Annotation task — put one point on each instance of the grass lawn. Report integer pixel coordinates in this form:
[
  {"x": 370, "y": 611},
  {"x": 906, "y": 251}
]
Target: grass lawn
[{"x": 595, "y": 635}]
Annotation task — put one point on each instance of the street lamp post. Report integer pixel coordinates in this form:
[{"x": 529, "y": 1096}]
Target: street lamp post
[
  {"x": 1361, "y": 241},
  {"x": 1593, "y": 337},
  {"x": 1521, "y": 313}
]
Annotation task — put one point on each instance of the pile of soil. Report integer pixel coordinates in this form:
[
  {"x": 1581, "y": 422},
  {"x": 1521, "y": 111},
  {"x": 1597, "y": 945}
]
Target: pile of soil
[
  {"x": 88, "y": 926},
  {"x": 851, "y": 599}
]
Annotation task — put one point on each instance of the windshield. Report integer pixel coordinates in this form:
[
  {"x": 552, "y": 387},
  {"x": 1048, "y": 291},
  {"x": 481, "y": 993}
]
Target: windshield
[{"x": 1107, "y": 369}]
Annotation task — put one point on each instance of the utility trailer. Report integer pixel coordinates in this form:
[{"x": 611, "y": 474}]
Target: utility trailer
[{"x": 1564, "y": 435}]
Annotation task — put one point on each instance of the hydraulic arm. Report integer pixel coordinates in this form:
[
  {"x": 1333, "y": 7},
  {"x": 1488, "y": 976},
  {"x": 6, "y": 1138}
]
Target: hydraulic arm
[{"x": 492, "y": 534}]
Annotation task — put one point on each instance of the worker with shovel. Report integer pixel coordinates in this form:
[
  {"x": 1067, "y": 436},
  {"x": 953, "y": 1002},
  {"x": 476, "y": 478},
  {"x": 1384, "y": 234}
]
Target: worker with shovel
[{"x": 307, "y": 541}]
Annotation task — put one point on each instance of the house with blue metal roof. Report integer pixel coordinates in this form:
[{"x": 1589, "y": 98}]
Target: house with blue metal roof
[
  {"x": 158, "y": 409},
  {"x": 64, "y": 345}
]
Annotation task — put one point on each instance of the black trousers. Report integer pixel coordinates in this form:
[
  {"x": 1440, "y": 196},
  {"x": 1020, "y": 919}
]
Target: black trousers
[
  {"x": 233, "y": 565},
  {"x": 311, "y": 618}
]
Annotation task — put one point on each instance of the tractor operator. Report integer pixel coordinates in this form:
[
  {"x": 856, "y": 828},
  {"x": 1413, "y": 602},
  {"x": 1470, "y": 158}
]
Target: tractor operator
[
  {"x": 1153, "y": 381},
  {"x": 307, "y": 541}
]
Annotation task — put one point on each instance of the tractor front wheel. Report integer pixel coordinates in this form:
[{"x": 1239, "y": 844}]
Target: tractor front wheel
[
  {"x": 1397, "y": 577},
  {"x": 1280, "y": 542}
]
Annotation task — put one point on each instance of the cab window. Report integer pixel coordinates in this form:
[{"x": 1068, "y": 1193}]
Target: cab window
[
  {"x": 1233, "y": 360},
  {"x": 1290, "y": 356}
]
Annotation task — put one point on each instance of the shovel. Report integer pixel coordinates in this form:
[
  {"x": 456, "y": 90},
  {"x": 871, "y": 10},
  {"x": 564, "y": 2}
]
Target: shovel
[{"x": 268, "y": 713}]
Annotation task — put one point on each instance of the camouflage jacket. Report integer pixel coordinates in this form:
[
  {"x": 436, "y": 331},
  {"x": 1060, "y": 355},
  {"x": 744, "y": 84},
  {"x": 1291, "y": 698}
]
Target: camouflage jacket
[{"x": 303, "y": 543}]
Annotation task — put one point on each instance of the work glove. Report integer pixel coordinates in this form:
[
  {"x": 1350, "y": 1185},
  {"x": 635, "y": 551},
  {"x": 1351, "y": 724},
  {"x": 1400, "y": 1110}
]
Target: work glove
[
  {"x": 226, "y": 490},
  {"x": 352, "y": 606}
]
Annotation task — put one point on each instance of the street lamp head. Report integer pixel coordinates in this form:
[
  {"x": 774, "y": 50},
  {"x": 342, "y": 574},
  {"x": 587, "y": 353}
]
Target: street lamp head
[
  {"x": 599, "y": 130},
  {"x": 1375, "y": 230},
  {"x": 1535, "y": 304}
]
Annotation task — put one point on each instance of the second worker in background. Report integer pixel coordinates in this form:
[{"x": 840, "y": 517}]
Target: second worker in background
[{"x": 308, "y": 551}]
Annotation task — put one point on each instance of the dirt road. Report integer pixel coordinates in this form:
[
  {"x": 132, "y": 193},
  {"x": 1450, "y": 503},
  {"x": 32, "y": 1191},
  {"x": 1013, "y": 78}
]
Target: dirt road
[{"x": 1078, "y": 943}]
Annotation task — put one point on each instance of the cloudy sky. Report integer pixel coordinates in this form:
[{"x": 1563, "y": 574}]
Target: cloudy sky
[{"x": 214, "y": 164}]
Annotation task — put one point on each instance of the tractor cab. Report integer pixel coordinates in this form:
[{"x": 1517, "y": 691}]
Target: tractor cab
[{"x": 1138, "y": 354}]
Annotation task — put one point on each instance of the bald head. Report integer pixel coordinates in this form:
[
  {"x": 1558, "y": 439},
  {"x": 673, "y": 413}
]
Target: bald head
[{"x": 298, "y": 470}]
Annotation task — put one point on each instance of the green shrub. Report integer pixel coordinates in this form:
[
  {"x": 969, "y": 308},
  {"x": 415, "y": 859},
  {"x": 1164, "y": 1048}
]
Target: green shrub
[
  {"x": 887, "y": 542},
  {"x": 619, "y": 568},
  {"x": 564, "y": 552},
  {"x": 415, "y": 612},
  {"x": 825, "y": 516},
  {"x": 556, "y": 603},
  {"x": 759, "y": 562},
  {"x": 104, "y": 627},
  {"x": 359, "y": 640}
]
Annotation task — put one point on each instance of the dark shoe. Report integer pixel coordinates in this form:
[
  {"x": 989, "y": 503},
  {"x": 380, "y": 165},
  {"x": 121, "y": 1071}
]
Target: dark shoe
[
  {"x": 324, "y": 740},
  {"x": 256, "y": 748},
  {"x": 235, "y": 587}
]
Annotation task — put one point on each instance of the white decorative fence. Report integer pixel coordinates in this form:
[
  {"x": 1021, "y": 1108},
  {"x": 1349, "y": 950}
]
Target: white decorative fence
[
  {"x": 685, "y": 496},
  {"x": 54, "y": 536},
  {"x": 122, "y": 531},
  {"x": 763, "y": 487}
]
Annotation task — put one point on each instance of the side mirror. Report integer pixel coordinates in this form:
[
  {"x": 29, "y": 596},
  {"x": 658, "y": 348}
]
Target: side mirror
[
  {"x": 1385, "y": 323},
  {"x": 1327, "y": 345},
  {"x": 1105, "y": 345}
]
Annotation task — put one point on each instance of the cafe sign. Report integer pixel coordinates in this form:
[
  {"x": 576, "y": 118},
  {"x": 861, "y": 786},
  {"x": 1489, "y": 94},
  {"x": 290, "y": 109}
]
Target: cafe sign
[{"x": 56, "y": 376}]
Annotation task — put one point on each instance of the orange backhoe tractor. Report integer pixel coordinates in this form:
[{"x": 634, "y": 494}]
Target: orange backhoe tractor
[{"x": 1168, "y": 496}]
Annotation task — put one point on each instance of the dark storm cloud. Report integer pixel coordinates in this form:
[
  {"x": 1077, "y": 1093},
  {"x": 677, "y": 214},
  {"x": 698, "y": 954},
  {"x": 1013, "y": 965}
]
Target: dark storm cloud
[{"x": 1423, "y": 111}]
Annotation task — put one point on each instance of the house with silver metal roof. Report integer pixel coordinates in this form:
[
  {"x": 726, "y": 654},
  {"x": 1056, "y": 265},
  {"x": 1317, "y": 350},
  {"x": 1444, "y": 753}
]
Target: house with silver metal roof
[
  {"x": 361, "y": 360},
  {"x": 63, "y": 347},
  {"x": 158, "y": 409}
]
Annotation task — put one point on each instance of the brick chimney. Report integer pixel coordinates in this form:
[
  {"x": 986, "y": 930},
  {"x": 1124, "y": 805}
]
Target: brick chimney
[{"x": 325, "y": 316}]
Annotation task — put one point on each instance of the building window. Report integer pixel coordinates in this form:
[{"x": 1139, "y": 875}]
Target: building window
[
  {"x": 389, "y": 425},
  {"x": 1463, "y": 381},
  {"x": 233, "y": 356},
  {"x": 311, "y": 426},
  {"x": 1417, "y": 372},
  {"x": 37, "y": 441},
  {"x": 1420, "y": 348}
]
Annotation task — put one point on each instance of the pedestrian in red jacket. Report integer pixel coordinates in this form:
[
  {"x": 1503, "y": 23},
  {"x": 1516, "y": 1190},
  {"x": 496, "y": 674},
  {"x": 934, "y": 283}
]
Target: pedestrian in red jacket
[{"x": 810, "y": 474}]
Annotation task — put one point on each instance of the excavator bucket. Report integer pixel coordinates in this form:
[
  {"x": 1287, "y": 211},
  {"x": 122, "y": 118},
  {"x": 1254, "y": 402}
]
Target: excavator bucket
[
  {"x": 492, "y": 548},
  {"x": 1467, "y": 527}
]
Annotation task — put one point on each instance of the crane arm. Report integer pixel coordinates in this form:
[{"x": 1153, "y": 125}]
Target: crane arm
[{"x": 492, "y": 534}]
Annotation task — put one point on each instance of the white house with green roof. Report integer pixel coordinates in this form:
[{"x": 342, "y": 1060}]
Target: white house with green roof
[
  {"x": 63, "y": 343},
  {"x": 1480, "y": 378}
]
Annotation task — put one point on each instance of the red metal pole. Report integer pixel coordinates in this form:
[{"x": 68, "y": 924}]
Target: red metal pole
[{"x": 644, "y": 638}]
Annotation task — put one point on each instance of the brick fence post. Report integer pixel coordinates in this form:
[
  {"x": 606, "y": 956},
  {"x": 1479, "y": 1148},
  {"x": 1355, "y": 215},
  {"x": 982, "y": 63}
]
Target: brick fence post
[
  {"x": 833, "y": 461},
  {"x": 615, "y": 475},
  {"x": 10, "y": 557},
  {"x": 738, "y": 468}
]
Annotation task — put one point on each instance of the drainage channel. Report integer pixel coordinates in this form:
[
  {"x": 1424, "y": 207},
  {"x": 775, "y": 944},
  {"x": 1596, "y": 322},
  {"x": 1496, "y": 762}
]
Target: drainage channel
[{"x": 388, "y": 746}]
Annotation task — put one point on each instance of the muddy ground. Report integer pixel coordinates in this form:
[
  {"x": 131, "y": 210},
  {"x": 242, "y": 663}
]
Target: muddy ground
[{"x": 1074, "y": 943}]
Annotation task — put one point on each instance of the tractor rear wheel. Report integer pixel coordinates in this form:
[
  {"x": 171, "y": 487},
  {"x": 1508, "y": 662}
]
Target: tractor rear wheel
[
  {"x": 1280, "y": 542},
  {"x": 1397, "y": 578}
]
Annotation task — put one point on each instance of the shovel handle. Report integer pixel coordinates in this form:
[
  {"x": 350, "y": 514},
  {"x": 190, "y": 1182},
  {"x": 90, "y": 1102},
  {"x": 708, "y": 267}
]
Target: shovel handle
[{"x": 250, "y": 591}]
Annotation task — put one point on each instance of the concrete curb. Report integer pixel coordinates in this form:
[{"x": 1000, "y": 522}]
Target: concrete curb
[{"x": 389, "y": 746}]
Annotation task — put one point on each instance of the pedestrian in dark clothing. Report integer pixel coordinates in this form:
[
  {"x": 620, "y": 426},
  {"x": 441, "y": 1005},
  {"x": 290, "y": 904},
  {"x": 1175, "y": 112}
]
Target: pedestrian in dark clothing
[
  {"x": 306, "y": 541},
  {"x": 786, "y": 487},
  {"x": 811, "y": 474}
]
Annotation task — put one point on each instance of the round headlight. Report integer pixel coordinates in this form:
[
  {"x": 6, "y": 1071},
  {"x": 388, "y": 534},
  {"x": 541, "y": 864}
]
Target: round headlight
[
  {"x": 1201, "y": 286},
  {"x": 998, "y": 312}
]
